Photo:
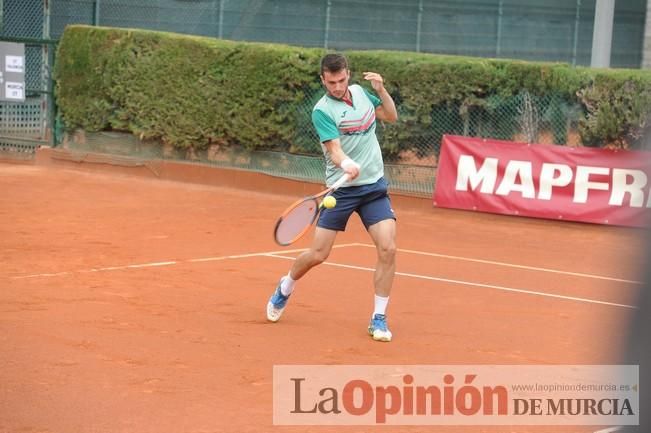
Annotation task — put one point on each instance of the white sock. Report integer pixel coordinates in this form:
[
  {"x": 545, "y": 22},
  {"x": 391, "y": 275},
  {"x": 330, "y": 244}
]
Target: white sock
[
  {"x": 287, "y": 285},
  {"x": 380, "y": 305}
]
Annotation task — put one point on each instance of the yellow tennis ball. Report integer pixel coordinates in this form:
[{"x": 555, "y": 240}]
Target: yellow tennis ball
[{"x": 329, "y": 202}]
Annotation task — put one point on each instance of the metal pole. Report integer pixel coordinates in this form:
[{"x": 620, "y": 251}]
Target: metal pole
[
  {"x": 419, "y": 25},
  {"x": 46, "y": 19},
  {"x": 602, "y": 37},
  {"x": 577, "y": 21},
  {"x": 326, "y": 34},
  {"x": 646, "y": 46},
  {"x": 220, "y": 34},
  {"x": 96, "y": 12},
  {"x": 47, "y": 99},
  {"x": 498, "y": 42}
]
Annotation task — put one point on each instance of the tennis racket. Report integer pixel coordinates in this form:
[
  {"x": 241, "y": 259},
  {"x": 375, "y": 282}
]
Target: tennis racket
[{"x": 299, "y": 217}]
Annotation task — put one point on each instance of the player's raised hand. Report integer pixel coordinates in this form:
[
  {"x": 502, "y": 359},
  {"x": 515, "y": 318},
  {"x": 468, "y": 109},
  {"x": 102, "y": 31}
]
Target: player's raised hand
[{"x": 376, "y": 80}]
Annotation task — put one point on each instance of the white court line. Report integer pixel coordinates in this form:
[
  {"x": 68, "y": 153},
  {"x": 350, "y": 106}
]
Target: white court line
[
  {"x": 242, "y": 256},
  {"x": 151, "y": 265},
  {"x": 510, "y": 265},
  {"x": 609, "y": 430},
  {"x": 467, "y": 283},
  {"x": 167, "y": 263}
]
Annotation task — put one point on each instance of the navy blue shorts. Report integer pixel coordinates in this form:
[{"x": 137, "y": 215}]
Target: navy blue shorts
[{"x": 371, "y": 202}]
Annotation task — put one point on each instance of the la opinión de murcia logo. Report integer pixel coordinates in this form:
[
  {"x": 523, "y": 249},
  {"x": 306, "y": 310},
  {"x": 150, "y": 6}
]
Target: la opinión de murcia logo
[
  {"x": 358, "y": 397},
  {"x": 455, "y": 395}
]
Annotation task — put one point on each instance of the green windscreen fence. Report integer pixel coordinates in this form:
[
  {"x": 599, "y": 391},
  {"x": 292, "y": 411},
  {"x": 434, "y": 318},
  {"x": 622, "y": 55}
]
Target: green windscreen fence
[
  {"x": 548, "y": 30},
  {"x": 121, "y": 149}
]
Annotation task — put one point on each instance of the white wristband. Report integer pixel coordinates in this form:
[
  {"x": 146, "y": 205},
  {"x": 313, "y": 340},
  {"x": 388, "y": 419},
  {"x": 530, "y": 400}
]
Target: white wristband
[{"x": 346, "y": 163}]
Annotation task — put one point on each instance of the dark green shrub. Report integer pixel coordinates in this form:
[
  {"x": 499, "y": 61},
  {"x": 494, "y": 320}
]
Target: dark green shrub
[{"x": 195, "y": 91}]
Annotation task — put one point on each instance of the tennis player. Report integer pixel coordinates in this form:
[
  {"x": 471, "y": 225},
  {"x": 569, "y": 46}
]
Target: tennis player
[{"x": 345, "y": 120}]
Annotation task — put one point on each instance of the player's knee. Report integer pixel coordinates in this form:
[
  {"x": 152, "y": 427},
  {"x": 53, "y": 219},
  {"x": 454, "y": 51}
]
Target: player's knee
[
  {"x": 387, "y": 252},
  {"x": 319, "y": 256}
]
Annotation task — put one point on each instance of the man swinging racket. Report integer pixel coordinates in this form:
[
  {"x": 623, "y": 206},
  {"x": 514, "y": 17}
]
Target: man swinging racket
[{"x": 344, "y": 119}]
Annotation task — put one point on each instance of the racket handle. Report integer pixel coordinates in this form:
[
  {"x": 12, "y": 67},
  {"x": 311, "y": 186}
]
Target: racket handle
[{"x": 343, "y": 179}]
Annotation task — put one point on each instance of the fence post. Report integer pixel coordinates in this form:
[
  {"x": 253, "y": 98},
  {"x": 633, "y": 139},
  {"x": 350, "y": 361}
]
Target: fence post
[
  {"x": 498, "y": 42},
  {"x": 47, "y": 97},
  {"x": 419, "y": 25},
  {"x": 577, "y": 21},
  {"x": 326, "y": 34},
  {"x": 602, "y": 36},
  {"x": 220, "y": 33},
  {"x": 96, "y": 5}
]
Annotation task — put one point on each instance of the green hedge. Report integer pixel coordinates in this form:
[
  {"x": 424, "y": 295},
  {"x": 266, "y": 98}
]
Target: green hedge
[{"x": 195, "y": 91}]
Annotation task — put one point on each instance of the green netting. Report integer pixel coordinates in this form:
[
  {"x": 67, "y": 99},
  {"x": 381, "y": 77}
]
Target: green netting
[
  {"x": 67, "y": 12},
  {"x": 549, "y": 30},
  {"x": 415, "y": 180}
]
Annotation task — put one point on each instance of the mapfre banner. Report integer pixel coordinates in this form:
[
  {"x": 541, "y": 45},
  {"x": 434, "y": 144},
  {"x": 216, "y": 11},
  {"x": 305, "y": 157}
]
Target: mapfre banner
[{"x": 545, "y": 181}]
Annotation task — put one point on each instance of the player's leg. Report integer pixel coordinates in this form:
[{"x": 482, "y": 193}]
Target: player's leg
[
  {"x": 383, "y": 234},
  {"x": 331, "y": 221},
  {"x": 322, "y": 244},
  {"x": 379, "y": 219}
]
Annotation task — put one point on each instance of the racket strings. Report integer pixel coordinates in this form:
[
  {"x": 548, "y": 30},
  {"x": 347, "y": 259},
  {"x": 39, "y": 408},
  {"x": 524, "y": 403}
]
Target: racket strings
[{"x": 294, "y": 223}]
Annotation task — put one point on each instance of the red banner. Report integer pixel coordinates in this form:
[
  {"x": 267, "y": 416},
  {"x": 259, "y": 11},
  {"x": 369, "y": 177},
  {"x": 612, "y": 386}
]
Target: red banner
[{"x": 545, "y": 181}]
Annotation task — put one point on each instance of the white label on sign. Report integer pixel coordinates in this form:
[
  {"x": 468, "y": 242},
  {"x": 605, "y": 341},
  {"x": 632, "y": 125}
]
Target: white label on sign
[
  {"x": 14, "y": 90},
  {"x": 15, "y": 64}
]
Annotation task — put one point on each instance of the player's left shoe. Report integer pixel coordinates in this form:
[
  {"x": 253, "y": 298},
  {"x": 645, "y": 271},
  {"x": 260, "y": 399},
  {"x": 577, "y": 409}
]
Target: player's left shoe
[
  {"x": 276, "y": 305},
  {"x": 378, "y": 328}
]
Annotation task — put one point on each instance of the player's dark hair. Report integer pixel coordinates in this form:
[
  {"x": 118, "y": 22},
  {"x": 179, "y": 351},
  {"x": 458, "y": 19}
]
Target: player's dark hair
[{"x": 333, "y": 63}]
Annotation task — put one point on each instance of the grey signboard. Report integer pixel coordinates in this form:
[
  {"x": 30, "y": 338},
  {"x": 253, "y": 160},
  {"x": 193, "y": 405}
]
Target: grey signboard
[{"x": 12, "y": 72}]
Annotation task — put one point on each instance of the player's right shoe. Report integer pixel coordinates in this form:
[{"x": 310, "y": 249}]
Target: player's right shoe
[
  {"x": 276, "y": 304},
  {"x": 378, "y": 328}
]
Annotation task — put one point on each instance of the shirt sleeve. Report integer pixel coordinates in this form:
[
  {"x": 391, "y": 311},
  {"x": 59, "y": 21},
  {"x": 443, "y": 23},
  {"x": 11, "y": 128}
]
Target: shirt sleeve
[
  {"x": 325, "y": 126},
  {"x": 374, "y": 99}
]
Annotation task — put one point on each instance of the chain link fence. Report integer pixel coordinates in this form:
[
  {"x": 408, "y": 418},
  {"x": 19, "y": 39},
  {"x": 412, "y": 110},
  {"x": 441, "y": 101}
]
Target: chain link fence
[{"x": 26, "y": 125}]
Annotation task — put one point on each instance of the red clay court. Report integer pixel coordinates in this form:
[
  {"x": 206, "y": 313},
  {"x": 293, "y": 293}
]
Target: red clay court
[{"x": 134, "y": 304}]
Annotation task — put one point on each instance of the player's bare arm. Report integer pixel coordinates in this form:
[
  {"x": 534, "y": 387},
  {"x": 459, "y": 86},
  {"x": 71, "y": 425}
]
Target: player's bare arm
[
  {"x": 387, "y": 110},
  {"x": 340, "y": 159}
]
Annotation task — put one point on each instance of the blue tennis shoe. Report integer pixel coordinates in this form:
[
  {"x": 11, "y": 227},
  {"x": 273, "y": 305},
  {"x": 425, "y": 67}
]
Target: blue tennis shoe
[
  {"x": 276, "y": 305},
  {"x": 378, "y": 328}
]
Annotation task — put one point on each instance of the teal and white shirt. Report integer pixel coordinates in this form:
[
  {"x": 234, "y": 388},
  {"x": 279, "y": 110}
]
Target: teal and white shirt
[{"x": 354, "y": 126}]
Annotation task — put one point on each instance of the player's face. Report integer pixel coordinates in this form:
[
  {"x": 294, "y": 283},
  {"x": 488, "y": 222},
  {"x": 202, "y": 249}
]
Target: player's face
[{"x": 336, "y": 83}]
